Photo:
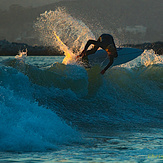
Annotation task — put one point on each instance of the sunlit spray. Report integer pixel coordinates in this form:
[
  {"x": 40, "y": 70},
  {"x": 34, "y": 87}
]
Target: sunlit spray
[{"x": 60, "y": 30}]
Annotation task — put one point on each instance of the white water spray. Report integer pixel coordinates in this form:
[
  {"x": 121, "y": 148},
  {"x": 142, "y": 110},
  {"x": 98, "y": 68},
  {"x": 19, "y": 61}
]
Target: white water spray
[
  {"x": 60, "y": 30},
  {"x": 147, "y": 58}
]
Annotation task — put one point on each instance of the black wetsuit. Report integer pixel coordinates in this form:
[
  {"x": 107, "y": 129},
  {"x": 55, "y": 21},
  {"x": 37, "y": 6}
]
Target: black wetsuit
[{"x": 103, "y": 41}]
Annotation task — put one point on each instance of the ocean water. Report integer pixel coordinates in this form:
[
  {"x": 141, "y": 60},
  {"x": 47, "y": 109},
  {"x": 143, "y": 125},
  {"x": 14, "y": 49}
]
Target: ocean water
[{"x": 52, "y": 109}]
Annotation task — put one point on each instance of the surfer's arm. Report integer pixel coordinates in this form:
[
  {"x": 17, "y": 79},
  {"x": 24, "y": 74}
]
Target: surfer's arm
[
  {"x": 95, "y": 43},
  {"x": 109, "y": 64},
  {"x": 86, "y": 52}
]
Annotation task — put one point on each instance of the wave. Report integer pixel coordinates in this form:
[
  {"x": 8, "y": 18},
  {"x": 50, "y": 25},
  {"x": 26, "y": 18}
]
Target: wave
[
  {"x": 43, "y": 107},
  {"x": 38, "y": 103},
  {"x": 25, "y": 125}
]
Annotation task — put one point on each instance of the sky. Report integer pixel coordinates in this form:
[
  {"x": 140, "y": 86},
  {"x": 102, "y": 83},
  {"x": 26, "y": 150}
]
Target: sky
[
  {"x": 4, "y": 4},
  {"x": 99, "y": 15}
]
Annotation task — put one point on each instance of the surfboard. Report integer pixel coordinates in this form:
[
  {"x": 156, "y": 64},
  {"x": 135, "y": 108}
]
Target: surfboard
[{"x": 124, "y": 55}]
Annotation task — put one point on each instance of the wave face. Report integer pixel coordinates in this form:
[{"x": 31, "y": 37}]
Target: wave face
[
  {"x": 45, "y": 105},
  {"x": 36, "y": 104},
  {"x": 25, "y": 124}
]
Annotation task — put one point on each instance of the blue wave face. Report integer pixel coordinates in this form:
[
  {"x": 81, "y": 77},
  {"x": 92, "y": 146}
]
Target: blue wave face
[
  {"x": 40, "y": 107},
  {"x": 25, "y": 125}
]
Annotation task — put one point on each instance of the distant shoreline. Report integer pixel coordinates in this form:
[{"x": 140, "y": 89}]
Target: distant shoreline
[
  {"x": 12, "y": 48},
  {"x": 156, "y": 46}
]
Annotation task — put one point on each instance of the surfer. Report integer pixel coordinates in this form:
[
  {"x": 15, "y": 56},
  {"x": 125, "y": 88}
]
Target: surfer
[{"x": 106, "y": 42}]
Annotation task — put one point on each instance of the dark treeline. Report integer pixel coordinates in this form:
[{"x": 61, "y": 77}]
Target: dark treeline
[
  {"x": 156, "y": 46},
  {"x": 12, "y": 48}
]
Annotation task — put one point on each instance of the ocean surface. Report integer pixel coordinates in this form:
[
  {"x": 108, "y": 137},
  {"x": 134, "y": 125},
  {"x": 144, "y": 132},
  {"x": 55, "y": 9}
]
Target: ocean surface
[{"x": 52, "y": 109}]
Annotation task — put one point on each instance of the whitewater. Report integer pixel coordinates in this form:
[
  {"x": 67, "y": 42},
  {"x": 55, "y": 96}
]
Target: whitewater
[{"x": 52, "y": 109}]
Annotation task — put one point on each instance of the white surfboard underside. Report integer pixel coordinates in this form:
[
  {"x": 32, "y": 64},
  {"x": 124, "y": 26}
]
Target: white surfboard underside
[{"x": 124, "y": 55}]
